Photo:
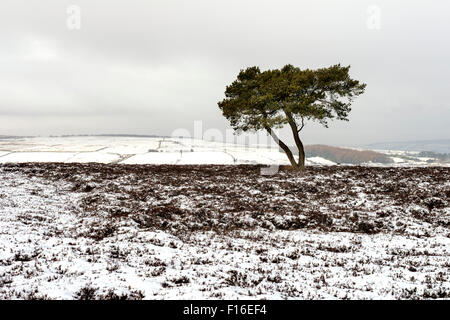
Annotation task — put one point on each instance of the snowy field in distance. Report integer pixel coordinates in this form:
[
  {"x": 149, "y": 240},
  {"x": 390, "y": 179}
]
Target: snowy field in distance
[
  {"x": 136, "y": 150},
  {"x": 163, "y": 150}
]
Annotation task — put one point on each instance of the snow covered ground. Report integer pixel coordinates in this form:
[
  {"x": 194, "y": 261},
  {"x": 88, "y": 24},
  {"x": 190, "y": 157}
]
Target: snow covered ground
[
  {"x": 159, "y": 150},
  {"x": 134, "y": 150},
  {"x": 105, "y": 231}
]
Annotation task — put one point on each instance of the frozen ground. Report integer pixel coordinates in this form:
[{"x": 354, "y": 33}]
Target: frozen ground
[
  {"x": 96, "y": 231},
  {"x": 159, "y": 150},
  {"x": 135, "y": 150}
]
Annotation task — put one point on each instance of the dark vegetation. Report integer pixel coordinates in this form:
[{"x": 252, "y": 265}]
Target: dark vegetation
[
  {"x": 230, "y": 232},
  {"x": 183, "y": 199},
  {"x": 92, "y": 293},
  {"x": 344, "y": 155},
  {"x": 442, "y": 157}
]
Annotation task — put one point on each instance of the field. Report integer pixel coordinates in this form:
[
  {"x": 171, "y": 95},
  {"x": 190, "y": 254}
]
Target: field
[
  {"x": 108, "y": 231},
  {"x": 186, "y": 151}
]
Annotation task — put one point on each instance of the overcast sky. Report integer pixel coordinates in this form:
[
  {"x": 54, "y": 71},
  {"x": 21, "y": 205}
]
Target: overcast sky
[{"x": 150, "y": 67}]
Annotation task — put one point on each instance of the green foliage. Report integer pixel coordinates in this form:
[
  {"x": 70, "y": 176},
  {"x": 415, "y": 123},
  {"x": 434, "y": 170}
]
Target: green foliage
[
  {"x": 273, "y": 98},
  {"x": 269, "y": 99}
]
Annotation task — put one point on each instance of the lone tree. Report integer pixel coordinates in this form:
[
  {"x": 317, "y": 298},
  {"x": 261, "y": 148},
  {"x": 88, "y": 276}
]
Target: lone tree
[{"x": 271, "y": 99}]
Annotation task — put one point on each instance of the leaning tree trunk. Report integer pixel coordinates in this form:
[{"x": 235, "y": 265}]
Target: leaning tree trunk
[
  {"x": 298, "y": 142},
  {"x": 285, "y": 148},
  {"x": 301, "y": 152}
]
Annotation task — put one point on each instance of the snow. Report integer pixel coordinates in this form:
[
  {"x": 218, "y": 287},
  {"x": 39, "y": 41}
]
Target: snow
[
  {"x": 206, "y": 157},
  {"x": 37, "y": 157},
  {"x": 99, "y": 157},
  {"x": 154, "y": 158},
  {"x": 136, "y": 150},
  {"x": 397, "y": 160},
  {"x": 162, "y": 150},
  {"x": 59, "y": 241},
  {"x": 322, "y": 161}
]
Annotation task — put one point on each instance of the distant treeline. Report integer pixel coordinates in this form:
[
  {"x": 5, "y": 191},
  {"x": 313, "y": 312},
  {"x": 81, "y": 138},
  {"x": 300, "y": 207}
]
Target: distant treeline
[
  {"x": 444, "y": 157},
  {"x": 109, "y": 135},
  {"x": 343, "y": 155},
  {"x": 14, "y": 137}
]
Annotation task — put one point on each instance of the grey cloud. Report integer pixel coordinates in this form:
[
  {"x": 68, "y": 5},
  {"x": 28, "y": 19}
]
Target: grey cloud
[{"x": 150, "y": 67}]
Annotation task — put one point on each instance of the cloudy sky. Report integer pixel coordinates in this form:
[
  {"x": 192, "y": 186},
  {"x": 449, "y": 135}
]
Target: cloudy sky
[{"x": 151, "y": 67}]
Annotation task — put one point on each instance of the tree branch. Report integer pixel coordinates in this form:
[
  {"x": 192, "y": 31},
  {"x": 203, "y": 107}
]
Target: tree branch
[{"x": 302, "y": 126}]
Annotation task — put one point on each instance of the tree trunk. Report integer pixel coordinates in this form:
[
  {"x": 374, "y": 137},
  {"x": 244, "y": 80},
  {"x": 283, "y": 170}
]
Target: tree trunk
[
  {"x": 301, "y": 154},
  {"x": 298, "y": 142},
  {"x": 285, "y": 148}
]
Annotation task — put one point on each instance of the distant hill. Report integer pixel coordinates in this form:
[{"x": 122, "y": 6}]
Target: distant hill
[
  {"x": 439, "y": 146},
  {"x": 13, "y": 137},
  {"x": 344, "y": 155},
  {"x": 110, "y": 135}
]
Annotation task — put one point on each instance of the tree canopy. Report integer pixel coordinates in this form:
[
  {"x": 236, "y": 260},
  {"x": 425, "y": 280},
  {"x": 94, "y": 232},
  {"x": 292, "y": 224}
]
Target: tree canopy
[{"x": 289, "y": 96}]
